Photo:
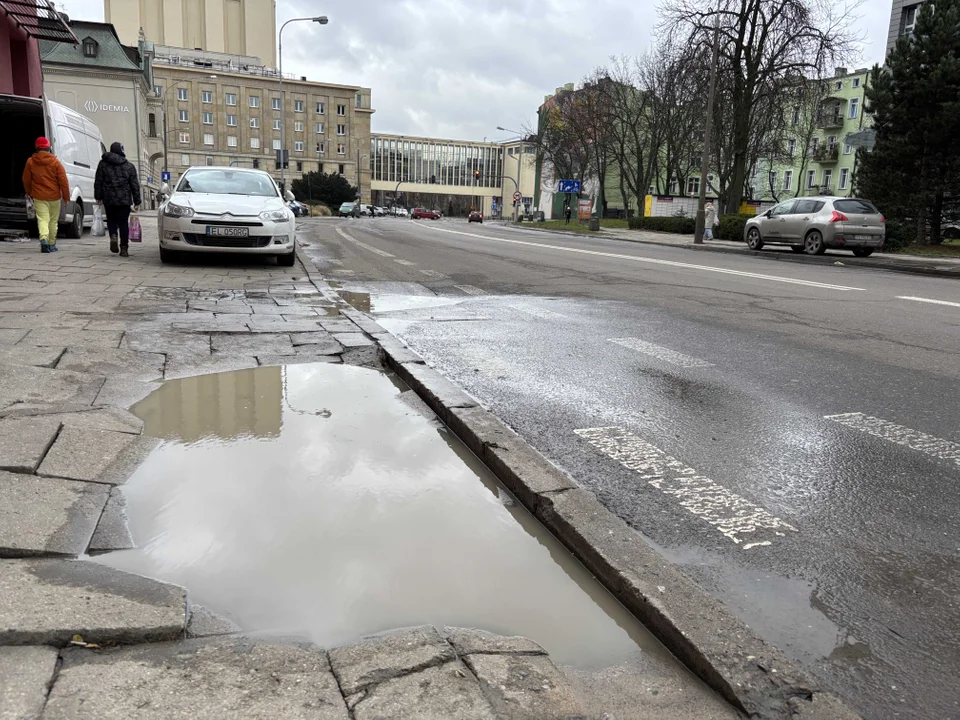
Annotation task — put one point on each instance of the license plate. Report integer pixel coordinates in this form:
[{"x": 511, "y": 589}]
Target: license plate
[
  {"x": 238, "y": 232},
  {"x": 863, "y": 237}
]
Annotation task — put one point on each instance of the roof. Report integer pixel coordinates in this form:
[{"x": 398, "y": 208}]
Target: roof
[
  {"x": 112, "y": 54},
  {"x": 39, "y": 19}
]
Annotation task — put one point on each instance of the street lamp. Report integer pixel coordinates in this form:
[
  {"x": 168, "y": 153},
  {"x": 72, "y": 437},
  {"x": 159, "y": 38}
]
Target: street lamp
[
  {"x": 320, "y": 20},
  {"x": 516, "y": 206}
]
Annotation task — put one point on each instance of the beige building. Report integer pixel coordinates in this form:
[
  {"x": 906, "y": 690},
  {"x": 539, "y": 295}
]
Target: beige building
[
  {"x": 235, "y": 27},
  {"x": 225, "y": 110}
]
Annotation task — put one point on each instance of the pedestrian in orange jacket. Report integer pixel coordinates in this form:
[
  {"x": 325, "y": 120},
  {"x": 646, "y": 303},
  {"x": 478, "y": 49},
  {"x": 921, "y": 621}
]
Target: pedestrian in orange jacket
[{"x": 45, "y": 181}]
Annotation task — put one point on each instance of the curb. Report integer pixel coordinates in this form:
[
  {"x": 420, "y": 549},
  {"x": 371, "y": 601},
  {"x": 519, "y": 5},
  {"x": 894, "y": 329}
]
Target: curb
[
  {"x": 753, "y": 676},
  {"x": 876, "y": 264}
]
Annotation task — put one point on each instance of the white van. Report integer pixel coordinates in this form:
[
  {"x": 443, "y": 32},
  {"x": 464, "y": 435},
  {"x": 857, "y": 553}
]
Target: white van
[{"x": 74, "y": 139}]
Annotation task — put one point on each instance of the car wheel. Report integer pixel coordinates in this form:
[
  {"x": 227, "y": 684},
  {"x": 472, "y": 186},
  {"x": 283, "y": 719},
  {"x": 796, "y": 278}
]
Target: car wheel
[
  {"x": 287, "y": 260},
  {"x": 167, "y": 256},
  {"x": 75, "y": 230},
  {"x": 813, "y": 244},
  {"x": 797, "y": 248},
  {"x": 754, "y": 241},
  {"x": 863, "y": 252}
]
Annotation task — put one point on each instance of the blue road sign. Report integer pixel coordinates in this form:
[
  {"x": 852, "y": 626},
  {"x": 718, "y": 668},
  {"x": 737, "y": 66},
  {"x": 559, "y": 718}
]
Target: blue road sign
[
  {"x": 165, "y": 175},
  {"x": 150, "y": 180},
  {"x": 569, "y": 186}
]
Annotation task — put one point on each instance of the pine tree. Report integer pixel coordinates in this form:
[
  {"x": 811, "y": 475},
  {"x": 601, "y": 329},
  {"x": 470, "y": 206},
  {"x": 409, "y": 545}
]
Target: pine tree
[{"x": 913, "y": 173}]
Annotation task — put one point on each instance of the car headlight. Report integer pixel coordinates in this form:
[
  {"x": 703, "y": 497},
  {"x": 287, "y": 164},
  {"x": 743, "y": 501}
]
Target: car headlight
[
  {"x": 177, "y": 211},
  {"x": 275, "y": 215}
]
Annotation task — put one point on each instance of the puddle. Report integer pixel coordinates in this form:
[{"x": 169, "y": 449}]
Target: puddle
[
  {"x": 388, "y": 302},
  {"x": 312, "y": 500}
]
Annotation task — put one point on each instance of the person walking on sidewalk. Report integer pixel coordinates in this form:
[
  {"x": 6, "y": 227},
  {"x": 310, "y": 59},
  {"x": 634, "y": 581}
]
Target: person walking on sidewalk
[
  {"x": 45, "y": 183},
  {"x": 709, "y": 220},
  {"x": 117, "y": 187}
]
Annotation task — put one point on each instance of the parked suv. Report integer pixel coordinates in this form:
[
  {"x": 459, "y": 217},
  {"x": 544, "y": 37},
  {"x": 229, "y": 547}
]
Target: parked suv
[
  {"x": 813, "y": 224},
  {"x": 419, "y": 213}
]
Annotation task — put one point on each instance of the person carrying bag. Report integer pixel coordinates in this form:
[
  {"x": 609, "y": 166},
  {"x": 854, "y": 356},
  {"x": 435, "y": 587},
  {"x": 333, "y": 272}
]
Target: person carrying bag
[{"x": 117, "y": 187}]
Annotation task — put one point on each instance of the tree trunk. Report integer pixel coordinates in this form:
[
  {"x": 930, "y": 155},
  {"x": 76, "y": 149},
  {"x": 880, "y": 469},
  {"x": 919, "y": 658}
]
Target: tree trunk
[{"x": 935, "y": 218}]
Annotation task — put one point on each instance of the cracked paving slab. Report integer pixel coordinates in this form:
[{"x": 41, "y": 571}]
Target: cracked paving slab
[
  {"x": 81, "y": 454},
  {"x": 22, "y": 383},
  {"x": 26, "y": 674},
  {"x": 25, "y": 441},
  {"x": 114, "y": 363}
]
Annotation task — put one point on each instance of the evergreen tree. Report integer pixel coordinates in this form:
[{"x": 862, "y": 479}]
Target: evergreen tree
[
  {"x": 331, "y": 189},
  {"x": 913, "y": 173}
]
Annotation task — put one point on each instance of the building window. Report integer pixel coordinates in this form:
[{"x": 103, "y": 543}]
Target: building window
[
  {"x": 208, "y": 138},
  {"x": 254, "y": 122},
  {"x": 206, "y": 96},
  {"x": 772, "y": 178},
  {"x": 341, "y": 168},
  {"x": 815, "y": 144},
  {"x": 209, "y": 160},
  {"x": 856, "y": 82},
  {"x": 232, "y": 141},
  {"x": 185, "y": 160},
  {"x": 298, "y": 126},
  {"x": 256, "y": 163},
  {"x": 298, "y": 105},
  {"x": 788, "y": 180},
  {"x": 832, "y": 142},
  {"x": 341, "y": 129},
  {"x": 811, "y": 179},
  {"x": 182, "y": 94},
  {"x": 208, "y": 118},
  {"x": 231, "y": 99},
  {"x": 321, "y": 108},
  {"x": 276, "y": 143},
  {"x": 254, "y": 143},
  {"x": 838, "y": 85},
  {"x": 254, "y": 101},
  {"x": 321, "y": 148},
  {"x": 909, "y": 19},
  {"x": 231, "y": 120},
  {"x": 342, "y": 110},
  {"x": 341, "y": 149},
  {"x": 847, "y": 148},
  {"x": 298, "y": 146},
  {"x": 276, "y": 103},
  {"x": 854, "y": 108},
  {"x": 844, "y": 178},
  {"x": 359, "y": 100},
  {"x": 796, "y": 115},
  {"x": 319, "y": 128},
  {"x": 152, "y": 120},
  {"x": 693, "y": 185},
  {"x": 791, "y": 147},
  {"x": 184, "y": 138},
  {"x": 183, "y": 115},
  {"x": 158, "y": 90},
  {"x": 827, "y": 177},
  {"x": 276, "y": 124},
  {"x": 299, "y": 165}
]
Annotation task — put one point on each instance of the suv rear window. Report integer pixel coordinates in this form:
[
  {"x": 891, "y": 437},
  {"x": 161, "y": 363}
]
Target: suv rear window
[{"x": 855, "y": 207}]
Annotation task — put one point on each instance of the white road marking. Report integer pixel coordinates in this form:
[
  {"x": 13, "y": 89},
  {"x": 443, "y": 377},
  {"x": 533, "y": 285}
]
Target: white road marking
[
  {"x": 371, "y": 248},
  {"x": 538, "y": 312},
  {"x": 335, "y": 262},
  {"x": 339, "y": 271},
  {"x": 470, "y": 289},
  {"x": 653, "y": 261},
  {"x": 735, "y": 517},
  {"x": 929, "y": 300},
  {"x": 913, "y": 439},
  {"x": 404, "y": 262},
  {"x": 661, "y": 353},
  {"x": 432, "y": 274}
]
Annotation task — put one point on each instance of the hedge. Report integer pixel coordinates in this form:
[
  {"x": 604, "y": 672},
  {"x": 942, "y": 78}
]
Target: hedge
[
  {"x": 731, "y": 227},
  {"x": 681, "y": 225}
]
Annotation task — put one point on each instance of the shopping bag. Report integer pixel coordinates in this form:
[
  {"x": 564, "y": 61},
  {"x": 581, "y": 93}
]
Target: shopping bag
[
  {"x": 135, "y": 231},
  {"x": 99, "y": 227}
]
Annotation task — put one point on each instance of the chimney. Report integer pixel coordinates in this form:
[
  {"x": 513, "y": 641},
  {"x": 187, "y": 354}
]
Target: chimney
[{"x": 840, "y": 72}]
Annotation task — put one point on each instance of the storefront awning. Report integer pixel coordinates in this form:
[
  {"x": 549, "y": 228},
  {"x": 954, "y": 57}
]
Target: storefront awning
[{"x": 39, "y": 19}]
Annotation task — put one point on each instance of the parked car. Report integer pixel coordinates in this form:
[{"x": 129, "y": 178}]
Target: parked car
[
  {"x": 298, "y": 208},
  {"x": 475, "y": 216},
  {"x": 423, "y": 213},
  {"x": 813, "y": 224},
  {"x": 347, "y": 209},
  {"x": 227, "y": 210},
  {"x": 399, "y": 212},
  {"x": 379, "y": 211}
]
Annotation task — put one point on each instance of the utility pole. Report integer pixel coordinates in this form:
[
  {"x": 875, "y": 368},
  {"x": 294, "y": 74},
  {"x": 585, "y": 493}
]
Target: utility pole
[{"x": 707, "y": 134}]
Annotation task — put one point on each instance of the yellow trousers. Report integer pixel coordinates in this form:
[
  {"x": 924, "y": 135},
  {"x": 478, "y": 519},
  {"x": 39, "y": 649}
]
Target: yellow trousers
[{"x": 48, "y": 215}]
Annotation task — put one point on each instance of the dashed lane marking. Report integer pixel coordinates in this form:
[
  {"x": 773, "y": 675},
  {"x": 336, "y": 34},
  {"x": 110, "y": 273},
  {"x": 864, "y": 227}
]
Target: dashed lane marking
[
  {"x": 470, "y": 289},
  {"x": 661, "y": 353},
  {"x": 928, "y": 300},
  {"x": 913, "y": 439},
  {"x": 371, "y": 248},
  {"x": 653, "y": 261},
  {"x": 736, "y": 518},
  {"x": 537, "y": 312},
  {"x": 407, "y": 263},
  {"x": 432, "y": 274}
]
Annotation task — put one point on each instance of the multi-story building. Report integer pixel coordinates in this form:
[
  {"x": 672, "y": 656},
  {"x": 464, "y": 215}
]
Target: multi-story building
[
  {"x": 111, "y": 84},
  {"x": 234, "y": 27},
  {"x": 903, "y": 18},
  {"x": 222, "y": 109}
]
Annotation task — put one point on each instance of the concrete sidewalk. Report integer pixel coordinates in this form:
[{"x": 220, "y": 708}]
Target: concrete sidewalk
[{"x": 84, "y": 335}]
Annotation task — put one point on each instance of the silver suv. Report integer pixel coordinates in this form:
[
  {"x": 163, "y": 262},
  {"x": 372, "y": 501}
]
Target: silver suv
[{"x": 813, "y": 224}]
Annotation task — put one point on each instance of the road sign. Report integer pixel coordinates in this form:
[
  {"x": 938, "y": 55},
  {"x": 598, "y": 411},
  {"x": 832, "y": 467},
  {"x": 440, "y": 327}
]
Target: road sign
[
  {"x": 150, "y": 180},
  {"x": 165, "y": 175},
  {"x": 568, "y": 186},
  {"x": 518, "y": 196}
]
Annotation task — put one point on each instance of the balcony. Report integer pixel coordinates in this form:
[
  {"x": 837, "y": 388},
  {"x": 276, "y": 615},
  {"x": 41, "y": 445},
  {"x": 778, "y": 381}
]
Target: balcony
[
  {"x": 826, "y": 154},
  {"x": 830, "y": 119}
]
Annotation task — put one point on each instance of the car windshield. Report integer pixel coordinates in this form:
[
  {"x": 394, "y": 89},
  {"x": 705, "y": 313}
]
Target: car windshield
[
  {"x": 855, "y": 207},
  {"x": 228, "y": 182}
]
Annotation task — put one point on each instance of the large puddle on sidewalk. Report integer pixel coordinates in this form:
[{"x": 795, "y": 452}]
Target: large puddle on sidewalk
[{"x": 316, "y": 500}]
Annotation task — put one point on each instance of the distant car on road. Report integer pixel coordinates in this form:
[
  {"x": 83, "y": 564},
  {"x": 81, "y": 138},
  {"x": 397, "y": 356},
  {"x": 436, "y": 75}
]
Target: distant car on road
[
  {"x": 226, "y": 210},
  {"x": 401, "y": 212},
  {"x": 423, "y": 213},
  {"x": 379, "y": 211},
  {"x": 475, "y": 216},
  {"x": 813, "y": 224},
  {"x": 298, "y": 208},
  {"x": 347, "y": 209}
]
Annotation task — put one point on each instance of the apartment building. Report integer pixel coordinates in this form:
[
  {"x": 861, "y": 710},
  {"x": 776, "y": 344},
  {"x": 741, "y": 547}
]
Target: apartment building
[
  {"x": 220, "y": 109},
  {"x": 903, "y": 18}
]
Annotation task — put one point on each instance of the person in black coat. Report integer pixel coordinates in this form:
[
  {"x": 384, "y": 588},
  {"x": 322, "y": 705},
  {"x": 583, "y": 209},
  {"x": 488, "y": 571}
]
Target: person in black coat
[{"x": 116, "y": 188}]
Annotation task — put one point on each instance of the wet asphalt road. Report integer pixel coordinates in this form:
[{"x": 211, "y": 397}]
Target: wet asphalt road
[{"x": 787, "y": 434}]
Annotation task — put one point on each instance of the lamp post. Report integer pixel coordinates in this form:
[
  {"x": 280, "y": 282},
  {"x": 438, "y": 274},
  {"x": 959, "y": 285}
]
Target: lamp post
[
  {"x": 516, "y": 206},
  {"x": 320, "y": 20}
]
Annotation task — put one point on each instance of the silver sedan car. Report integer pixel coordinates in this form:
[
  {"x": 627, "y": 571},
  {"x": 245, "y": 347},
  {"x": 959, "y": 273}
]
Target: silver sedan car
[{"x": 813, "y": 224}]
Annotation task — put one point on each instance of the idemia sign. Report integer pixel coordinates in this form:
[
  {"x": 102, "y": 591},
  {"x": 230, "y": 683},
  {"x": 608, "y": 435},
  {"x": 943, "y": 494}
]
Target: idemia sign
[{"x": 93, "y": 106}]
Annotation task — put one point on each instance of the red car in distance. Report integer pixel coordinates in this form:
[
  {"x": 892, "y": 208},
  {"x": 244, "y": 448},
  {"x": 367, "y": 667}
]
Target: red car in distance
[{"x": 423, "y": 213}]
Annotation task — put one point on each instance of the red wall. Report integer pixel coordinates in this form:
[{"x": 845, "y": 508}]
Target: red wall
[{"x": 19, "y": 61}]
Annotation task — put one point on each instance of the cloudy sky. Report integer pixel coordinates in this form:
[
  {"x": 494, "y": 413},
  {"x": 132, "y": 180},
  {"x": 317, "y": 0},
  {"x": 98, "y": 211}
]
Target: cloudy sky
[{"x": 458, "y": 68}]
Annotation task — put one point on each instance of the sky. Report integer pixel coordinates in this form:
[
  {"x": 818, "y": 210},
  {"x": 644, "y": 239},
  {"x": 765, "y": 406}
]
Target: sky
[{"x": 457, "y": 69}]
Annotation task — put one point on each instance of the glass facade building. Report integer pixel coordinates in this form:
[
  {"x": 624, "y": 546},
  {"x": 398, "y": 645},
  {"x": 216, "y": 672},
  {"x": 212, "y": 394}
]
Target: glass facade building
[{"x": 398, "y": 159}]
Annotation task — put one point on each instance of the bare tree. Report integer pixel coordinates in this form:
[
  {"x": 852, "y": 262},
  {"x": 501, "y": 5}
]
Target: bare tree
[{"x": 764, "y": 45}]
